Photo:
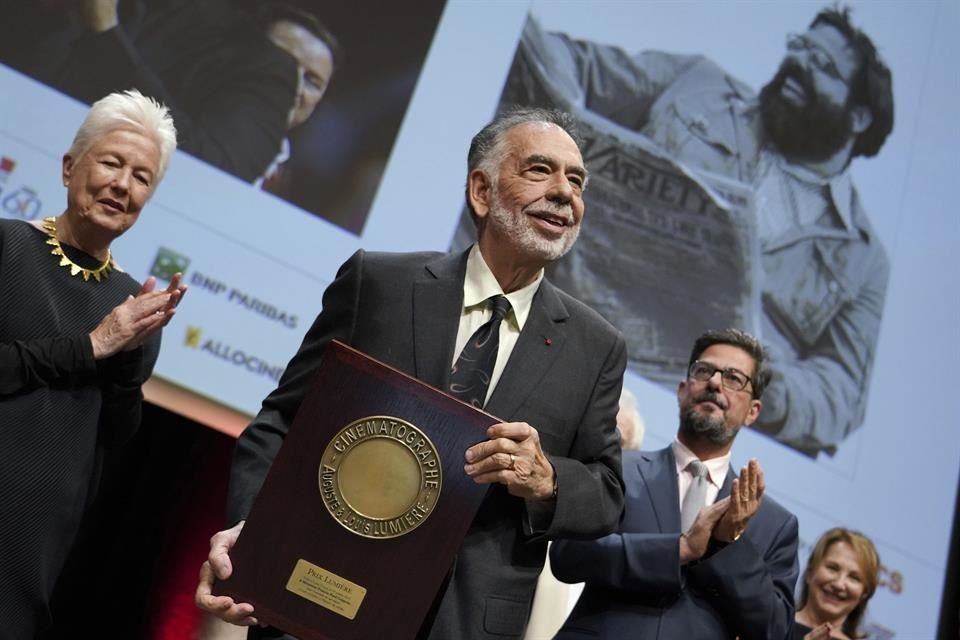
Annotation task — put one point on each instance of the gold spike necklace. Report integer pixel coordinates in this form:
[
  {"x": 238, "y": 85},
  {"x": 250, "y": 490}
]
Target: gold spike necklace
[{"x": 50, "y": 227}]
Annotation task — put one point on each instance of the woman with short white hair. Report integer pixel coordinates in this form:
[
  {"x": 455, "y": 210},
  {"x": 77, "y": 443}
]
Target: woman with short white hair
[{"x": 78, "y": 337}]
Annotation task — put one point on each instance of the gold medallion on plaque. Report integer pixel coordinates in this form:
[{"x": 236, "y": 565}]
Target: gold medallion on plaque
[{"x": 380, "y": 477}]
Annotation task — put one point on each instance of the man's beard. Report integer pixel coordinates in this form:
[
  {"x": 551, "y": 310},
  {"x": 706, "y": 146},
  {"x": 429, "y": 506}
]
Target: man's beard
[
  {"x": 700, "y": 427},
  {"x": 811, "y": 132},
  {"x": 519, "y": 227}
]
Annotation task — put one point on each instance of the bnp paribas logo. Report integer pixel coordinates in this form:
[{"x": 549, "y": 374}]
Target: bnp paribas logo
[
  {"x": 193, "y": 336},
  {"x": 167, "y": 263}
]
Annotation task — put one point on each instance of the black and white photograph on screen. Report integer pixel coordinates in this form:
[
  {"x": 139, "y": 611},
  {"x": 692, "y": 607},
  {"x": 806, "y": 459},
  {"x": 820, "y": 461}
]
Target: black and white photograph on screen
[
  {"x": 701, "y": 209},
  {"x": 706, "y": 188},
  {"x": 300, "y": 98}
]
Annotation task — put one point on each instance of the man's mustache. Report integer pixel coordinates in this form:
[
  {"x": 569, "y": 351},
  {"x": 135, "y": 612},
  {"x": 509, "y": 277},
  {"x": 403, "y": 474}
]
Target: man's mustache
[
  {"x": 799, "y": 74},
  {"x": 711, "y": 397},
  {"x": 545, "y": 205}
]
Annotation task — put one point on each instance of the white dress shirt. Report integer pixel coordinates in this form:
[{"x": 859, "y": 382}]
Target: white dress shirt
[
  {"x": 716, "y": 469},
  {"x": 479, "y": 285}
]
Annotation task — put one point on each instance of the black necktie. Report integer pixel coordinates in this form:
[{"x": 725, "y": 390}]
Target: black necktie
[{"x": 470, "y": 376}]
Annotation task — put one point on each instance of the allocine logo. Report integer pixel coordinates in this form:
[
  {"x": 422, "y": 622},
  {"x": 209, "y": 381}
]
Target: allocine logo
[
  {"x": 168, "y": 262},
  {"x": 195, "y": 339}
]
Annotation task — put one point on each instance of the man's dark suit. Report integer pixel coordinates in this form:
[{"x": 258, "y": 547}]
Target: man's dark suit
[
  {"x": 634, "y": 588},
  {"x": 563, "y": 377}
]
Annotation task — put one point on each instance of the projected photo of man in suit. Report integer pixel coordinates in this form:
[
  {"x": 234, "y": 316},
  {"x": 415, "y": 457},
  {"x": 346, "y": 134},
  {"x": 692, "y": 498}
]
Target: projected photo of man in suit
[
  {"x": 316, "y": 50},
  {"x": 248, "y": 81},
  {"x": 808, "y": 272}
]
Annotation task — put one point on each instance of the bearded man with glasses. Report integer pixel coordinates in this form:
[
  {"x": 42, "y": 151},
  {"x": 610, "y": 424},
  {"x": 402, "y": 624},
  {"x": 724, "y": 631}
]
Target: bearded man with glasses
[
  {"x": 731, "y": 571},
  {"x": 823, "y": 271}
]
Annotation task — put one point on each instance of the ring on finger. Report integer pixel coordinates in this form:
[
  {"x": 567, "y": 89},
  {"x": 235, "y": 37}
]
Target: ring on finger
[{"x": 513, "y": 461}]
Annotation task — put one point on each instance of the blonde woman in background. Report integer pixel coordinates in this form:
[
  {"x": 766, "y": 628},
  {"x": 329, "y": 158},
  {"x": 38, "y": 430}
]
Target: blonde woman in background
[
  {"x": 78, "y": 337},
  {"x": 840, "y": 578}
]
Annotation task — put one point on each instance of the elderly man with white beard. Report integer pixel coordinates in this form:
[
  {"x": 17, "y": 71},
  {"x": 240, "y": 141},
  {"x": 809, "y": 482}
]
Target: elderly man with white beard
[{"x": 553, "y": 464}]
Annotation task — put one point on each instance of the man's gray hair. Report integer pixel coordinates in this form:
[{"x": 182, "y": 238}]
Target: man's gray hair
[
  {"x": 132, "y": 111},
  {"x": 486, "y": 148}
]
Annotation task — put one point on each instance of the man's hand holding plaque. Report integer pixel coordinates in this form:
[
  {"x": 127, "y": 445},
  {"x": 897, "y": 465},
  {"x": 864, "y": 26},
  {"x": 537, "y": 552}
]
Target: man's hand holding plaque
[
  {"x": 218, "y": 567},
  {"x": 512, "y": 456}
]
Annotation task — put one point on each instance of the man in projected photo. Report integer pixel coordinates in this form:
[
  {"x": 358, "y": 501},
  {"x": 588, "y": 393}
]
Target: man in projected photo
[
  {"x": 700, "y": 552},
  {"x": 823, "y": 270},
  {"x": 554, "y": 466},
  {"x": 315, "y": 51},
  {"x": 229, "y": 87}
]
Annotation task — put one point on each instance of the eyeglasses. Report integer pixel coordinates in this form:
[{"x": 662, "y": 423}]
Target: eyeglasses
[
  {"x": 732, "y": 379},
  {"x": 820, "y": 58}
]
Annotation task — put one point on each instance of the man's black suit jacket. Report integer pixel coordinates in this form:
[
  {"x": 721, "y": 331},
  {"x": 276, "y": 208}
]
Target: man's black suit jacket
[{"x": 563, "y": 377}]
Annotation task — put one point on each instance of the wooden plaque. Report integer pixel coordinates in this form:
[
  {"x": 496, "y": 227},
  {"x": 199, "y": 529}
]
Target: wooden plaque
[{"x": 364, "y": 508}]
